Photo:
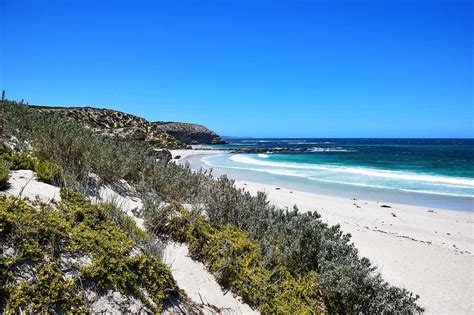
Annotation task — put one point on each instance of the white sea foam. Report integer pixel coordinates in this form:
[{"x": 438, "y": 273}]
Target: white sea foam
[
  {"x": 431, "y": 192},
  {"x": 333, "y": 149},
  {"x": 305, "y": 142},
  {"x": 408, "y": 176},
  {"x": 263, "y": 155},
  {"x": 301, "y": 171},
  {"x": 260, "y": 170},
  {"x": 300, "y": 141}
]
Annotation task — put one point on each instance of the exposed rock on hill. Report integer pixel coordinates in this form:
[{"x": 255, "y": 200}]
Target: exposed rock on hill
[
  {"x": 128, "y": 127},
  {"x": 189, "y": 133}
]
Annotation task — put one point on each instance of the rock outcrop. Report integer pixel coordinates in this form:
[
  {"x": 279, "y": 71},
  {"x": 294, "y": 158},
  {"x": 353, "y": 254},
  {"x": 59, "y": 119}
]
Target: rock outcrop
[
  {"x": 127, "y": 127},
  {"x": 189, "y": 133}
]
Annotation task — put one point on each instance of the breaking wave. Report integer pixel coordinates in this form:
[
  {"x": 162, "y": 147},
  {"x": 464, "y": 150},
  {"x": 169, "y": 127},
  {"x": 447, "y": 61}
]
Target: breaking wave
[{"x": 347, "y": 175}]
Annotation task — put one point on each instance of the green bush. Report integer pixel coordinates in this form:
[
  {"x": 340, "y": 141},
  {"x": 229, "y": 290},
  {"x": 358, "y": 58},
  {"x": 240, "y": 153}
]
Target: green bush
[
  {"x": 4, "y": 171},
  {"x": 5, "y": 148},
  {"x": 302, "y": 241},
  {"x": 23, "y": 161},
  {"x": 5, "y": 151},
  {"x": 39, "y": 237},
  {"x": 239, "y": 265},
  {"x": 49, "y": 292},
  {"x": 47, "y": 172}
]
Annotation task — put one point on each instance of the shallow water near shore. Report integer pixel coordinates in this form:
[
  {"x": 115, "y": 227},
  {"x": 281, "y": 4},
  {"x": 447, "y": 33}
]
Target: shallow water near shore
[{"x": 434, "y": 172}]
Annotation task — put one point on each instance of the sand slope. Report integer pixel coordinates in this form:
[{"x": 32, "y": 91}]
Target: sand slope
[
  {"x": 198, "y": 283},
  {"x": 23, "y": 184}
]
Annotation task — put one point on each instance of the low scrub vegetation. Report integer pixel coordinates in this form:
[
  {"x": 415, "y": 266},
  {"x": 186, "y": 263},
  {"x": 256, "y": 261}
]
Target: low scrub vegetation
[
  {"x": 320, "y": 258},
  {"x": 37, "y": 275},
  {"x": 23, "y": 161},
  {"x": 4, "y": 173},
  {"x": 124, "y": 221},
  {"x": 46, "y": 171},
  {"x": 5, "y": 151},
  {"x": 237, "y": 261}
]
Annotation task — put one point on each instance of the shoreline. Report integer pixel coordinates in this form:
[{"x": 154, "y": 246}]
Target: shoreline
[
  {"x": 382, "y": 194},
  {"x": 429, "y": 251}
]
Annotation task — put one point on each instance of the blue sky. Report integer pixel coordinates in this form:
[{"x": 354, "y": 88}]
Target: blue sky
[{"x": 251, "y": 68}]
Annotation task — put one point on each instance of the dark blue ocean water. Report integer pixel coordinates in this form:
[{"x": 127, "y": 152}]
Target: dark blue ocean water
[{"x": 443, "y": 167}]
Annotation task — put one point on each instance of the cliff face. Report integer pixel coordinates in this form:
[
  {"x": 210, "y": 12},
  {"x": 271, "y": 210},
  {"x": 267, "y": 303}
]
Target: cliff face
[
  {"x": 189, "y": 133},
  {"x": 128, "y": 127}
]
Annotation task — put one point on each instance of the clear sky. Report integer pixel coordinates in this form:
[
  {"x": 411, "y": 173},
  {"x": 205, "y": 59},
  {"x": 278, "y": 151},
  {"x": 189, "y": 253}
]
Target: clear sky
[{"x": 251, "y": 68}]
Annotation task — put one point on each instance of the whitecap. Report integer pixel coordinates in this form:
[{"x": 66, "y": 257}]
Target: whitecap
[
  {"x": 331, "y": 149},
  {"x": 359, "y": 171},
  {"x": 312, "y": 172}
]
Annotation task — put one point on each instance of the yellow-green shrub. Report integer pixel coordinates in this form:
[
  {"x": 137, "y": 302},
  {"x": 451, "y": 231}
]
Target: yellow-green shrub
[
  {"x": 5, "y": 151},
  {"x": 238, "y": 264},
  {"x": 74, "y": 226},
  {"x": 23, "y": 161},
  {"x": 48, "y": 291},
  {"x": 4, "y": 171},
  {"x": 130, "y": 274},
  {"x": 47, "y": 171}
]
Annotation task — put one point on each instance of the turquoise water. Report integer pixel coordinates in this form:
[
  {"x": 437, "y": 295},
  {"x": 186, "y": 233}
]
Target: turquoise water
[{"x": 426, "y": 168}]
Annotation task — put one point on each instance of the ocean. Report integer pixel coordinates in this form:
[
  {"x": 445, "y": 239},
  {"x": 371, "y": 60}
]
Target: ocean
[{"x": 430, "y": 172}]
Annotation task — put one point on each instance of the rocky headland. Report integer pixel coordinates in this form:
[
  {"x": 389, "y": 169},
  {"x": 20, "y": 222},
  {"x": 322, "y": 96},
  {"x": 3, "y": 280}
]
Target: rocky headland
[
  {"x": 189, "y": 133},
  {"x": 127, "y": 127}
]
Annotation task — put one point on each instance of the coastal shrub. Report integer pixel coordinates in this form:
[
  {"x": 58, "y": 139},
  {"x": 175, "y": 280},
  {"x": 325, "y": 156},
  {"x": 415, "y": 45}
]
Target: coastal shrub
[
  {"x": 47, "y": 172},
  {"x": 130, "y": 274},
  {"x": 47, "y": 293},
  {"x": 4, "y": 171},
  {"x": 23, "y": 161},
  {"x": 5, "y": 151},
  {"x": 33, "y": 238},
  {"x": 110, "y": 247},
  {"x": 224, "y": 204},
  {"x": 237, "y": 262},
  {"x": 33, "y": 274},
  {"x": 302, "y": 241},
  {"x": 80, "y": 152},
  {"x": 297, "y": 241}
]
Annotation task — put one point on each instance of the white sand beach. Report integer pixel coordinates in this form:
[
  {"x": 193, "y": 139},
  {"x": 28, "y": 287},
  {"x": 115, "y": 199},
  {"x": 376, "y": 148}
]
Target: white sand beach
[
  {"x": 182, "y": 155},
  {"x": 428, "y": 251}
]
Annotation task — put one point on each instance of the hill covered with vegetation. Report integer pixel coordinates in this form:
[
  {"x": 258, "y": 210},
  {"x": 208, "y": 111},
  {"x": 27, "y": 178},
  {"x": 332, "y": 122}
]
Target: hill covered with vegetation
[
  {"x": 122, "y": 126},
  {"x": 278, "y": 261}
]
